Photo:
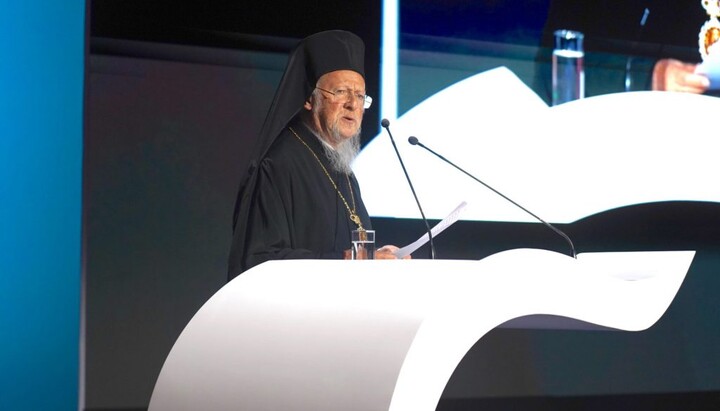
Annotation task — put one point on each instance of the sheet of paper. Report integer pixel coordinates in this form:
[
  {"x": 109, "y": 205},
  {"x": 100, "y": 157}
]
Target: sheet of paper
[
  {"x": 711, "y": 67},
  {"x": 439, "y": 227}
]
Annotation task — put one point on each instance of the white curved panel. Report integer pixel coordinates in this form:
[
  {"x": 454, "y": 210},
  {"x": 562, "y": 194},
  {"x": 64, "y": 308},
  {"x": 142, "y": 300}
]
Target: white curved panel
[
  {"x": 563, "y": 163},
  {"x": 374, "y": 335}
]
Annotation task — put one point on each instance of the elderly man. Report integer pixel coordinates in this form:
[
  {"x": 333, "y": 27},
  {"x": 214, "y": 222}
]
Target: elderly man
[{"x": 300, "y": 198}]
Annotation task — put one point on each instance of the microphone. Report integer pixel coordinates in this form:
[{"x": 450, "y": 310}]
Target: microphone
[
  {"x": 638, "y": 35},
  {"x": 386, "y": 125},
  {"x": 414, "y": 141}
]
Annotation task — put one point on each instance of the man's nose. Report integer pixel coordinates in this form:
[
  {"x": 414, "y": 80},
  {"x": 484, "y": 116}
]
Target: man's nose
[{"x": 351, "y": 103}]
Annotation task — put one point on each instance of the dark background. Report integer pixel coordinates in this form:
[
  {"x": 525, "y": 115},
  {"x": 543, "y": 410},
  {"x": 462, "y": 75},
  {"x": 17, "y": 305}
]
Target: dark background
[{"x": 176, "y": 92}]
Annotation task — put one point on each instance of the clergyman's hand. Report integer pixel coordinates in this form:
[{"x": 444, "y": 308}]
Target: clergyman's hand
[
  {"x": 387, "y": 252},
  {"x": 675, "y": 75}
]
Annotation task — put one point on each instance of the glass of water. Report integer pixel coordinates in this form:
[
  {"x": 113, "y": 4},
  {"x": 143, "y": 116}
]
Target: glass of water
[
  {"x": 363, "y": 244},
  {"x": 568, "y": 73}
]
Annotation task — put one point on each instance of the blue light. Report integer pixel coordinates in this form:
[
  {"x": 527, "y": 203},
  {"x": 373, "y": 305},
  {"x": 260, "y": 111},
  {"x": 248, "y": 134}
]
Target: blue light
[{"x": 41, "y": 78}]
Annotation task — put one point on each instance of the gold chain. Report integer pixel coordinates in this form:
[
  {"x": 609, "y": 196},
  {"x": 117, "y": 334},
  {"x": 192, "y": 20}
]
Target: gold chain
[{"x": 353, "y": 216}]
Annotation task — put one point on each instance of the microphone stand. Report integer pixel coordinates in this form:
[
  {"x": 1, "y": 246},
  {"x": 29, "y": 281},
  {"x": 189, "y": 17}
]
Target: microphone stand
[
  {"x": 414, "y": 141},
  {"x": 386, "y": 124},
  {"x": 628, "y": 63}
]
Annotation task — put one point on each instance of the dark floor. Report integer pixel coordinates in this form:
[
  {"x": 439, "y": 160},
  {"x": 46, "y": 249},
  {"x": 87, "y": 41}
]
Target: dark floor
[
  {"x": 704, "y": 401},
  {"x": 696, "y": 401}
]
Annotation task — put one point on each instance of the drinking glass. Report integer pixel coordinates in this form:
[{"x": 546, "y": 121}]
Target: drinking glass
[
  {"x": 363, "y": 244},
  {"x": 568, "y": 73}
]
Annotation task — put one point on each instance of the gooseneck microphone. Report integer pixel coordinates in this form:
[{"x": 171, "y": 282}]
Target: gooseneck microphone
[
  {"x": 386, "y": 125},
  {"x": 638, "y": 36},
  {"x": 414, "y": 141}
]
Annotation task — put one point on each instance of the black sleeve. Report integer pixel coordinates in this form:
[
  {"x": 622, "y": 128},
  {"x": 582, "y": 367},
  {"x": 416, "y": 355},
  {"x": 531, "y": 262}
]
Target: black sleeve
[{"x": 272, "y": 220}]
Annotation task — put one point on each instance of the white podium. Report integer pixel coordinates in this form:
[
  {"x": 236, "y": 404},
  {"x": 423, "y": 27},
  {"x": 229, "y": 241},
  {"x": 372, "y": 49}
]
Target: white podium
[{"x": 387, "y": 335}]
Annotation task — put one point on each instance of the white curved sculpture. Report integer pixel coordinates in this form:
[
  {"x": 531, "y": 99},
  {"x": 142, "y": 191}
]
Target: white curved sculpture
[{"x": 387, "y": 335}]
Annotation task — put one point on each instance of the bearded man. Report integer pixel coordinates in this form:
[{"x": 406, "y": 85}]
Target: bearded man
[{"x": 300, "y": 198}]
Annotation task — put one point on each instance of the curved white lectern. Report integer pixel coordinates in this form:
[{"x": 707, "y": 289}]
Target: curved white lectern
[{"x": 387, "y": 335}]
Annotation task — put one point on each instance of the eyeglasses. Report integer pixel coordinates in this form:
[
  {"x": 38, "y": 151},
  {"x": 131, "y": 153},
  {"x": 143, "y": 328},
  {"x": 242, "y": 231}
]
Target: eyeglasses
[{"x": 344, "y": 94}]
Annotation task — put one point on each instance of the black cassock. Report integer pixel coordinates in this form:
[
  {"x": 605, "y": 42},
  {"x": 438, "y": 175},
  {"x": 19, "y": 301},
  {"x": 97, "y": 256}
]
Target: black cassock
[{"x": 294, "y": 210}]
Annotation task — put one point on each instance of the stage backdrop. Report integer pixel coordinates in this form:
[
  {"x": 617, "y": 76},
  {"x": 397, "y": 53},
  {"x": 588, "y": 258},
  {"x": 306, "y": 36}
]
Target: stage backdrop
[
  {"x": 166, "y": 141},
  {"x": 169, "y": 128}
]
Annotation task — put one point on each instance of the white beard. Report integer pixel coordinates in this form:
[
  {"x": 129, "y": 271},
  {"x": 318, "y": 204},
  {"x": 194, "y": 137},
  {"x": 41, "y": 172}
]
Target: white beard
[{"x": 344, "y": 154}]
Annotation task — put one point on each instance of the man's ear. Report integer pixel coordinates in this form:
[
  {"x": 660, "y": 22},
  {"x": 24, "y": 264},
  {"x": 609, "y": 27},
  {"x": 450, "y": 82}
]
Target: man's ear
[{"x": 308, "y": 104}]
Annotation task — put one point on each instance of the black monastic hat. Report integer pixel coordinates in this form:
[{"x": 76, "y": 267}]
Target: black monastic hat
[{"x": 314, "y": 56}]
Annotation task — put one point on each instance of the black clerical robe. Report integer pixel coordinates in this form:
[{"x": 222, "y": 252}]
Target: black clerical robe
[{"x": 295, "y": 211}]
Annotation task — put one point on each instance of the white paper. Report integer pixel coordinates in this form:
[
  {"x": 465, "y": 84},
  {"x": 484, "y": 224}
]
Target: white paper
[
  {"x": 439, "y": 227},
  {"x": 711, "y": 66}
]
